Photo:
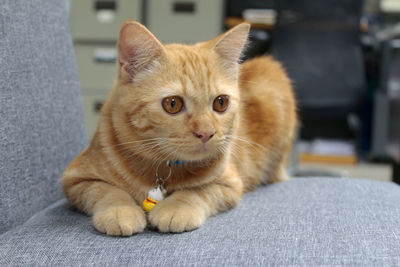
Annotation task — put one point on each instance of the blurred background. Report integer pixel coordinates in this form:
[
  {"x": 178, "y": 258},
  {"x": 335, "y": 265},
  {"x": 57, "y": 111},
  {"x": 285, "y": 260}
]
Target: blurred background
[{"x": 342, "y": 55}]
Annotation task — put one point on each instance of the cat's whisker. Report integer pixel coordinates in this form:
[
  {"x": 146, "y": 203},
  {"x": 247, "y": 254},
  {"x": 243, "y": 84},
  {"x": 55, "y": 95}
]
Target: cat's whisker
[
  {"x": 140, "y": 141},
  {"x": 251, "y": 143},
  {"x": 175, "y": 152},
  {"x": 161, "y": 153},
  {"x": 144, "y": 143},
  {"x": 144, "y": 147},
  {"x": 139, "y": 147},
  {"x": 233, "y": 149},
  {"x": 136, "y": 149},
  {"x": 157, "y": 157},
  {"x": 154, "y": 148},
  {"x": 271, "y": 152}
]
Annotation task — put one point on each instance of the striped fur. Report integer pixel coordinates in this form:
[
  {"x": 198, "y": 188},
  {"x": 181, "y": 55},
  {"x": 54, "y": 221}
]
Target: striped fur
[{"x": 135, "y": 136}]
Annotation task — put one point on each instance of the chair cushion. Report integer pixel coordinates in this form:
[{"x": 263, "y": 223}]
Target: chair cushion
[
  {"x": 305, "y": 221},
  {"x": 41, "y": 116}
]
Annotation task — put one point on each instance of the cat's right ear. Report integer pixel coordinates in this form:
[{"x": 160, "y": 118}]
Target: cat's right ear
[
  {"x": 137, "y": 48},
  {"x": 230, "y": 46}
]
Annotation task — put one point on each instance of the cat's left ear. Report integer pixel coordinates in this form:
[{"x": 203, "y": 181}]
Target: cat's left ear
[{"x": 230, "y": 46}]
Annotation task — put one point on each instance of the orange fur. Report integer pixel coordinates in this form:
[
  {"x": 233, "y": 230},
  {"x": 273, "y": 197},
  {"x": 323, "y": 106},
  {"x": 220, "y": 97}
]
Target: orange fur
[{"x": 112, "y": 176}]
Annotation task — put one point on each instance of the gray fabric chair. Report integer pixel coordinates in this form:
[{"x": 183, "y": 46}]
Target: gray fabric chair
[{"x": 309, "y": 221}]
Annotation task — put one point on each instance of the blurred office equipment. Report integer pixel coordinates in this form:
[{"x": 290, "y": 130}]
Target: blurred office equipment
[
  {"x": 386, "y": 123},
  {"x": 261, "y": 15},
  {"x": 319, "y": 44},
  {"x": 327, "y": 151},
  {"x": 390, "y": 6}
]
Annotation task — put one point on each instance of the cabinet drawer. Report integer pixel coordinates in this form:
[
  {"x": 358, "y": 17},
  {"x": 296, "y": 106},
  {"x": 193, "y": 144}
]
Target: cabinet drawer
[
  {"x": 101, "y": 19},
  {"x": 186, "y": 21},
  {"x": 96, "y": 65}
]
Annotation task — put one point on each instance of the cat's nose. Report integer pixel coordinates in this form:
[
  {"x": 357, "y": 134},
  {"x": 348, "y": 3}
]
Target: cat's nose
[{"x": 204, "y": 136}]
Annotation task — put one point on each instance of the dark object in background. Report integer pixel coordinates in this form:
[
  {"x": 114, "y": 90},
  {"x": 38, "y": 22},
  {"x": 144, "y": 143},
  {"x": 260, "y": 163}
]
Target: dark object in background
[
  {"x": 259, "y": 39},
  {"x": 319, "y": 44},
  {"x": 259, "y": 43},
  {"x": 386, "y": 122},
  {"x": 323, "y": 10},
  {"x": 396, "y": 172},
  {"x": 234, "y": 8}
]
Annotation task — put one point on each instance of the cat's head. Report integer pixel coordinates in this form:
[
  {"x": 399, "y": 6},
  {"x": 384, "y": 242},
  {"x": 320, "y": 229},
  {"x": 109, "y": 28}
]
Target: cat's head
[{"x": 177, "y": 102}]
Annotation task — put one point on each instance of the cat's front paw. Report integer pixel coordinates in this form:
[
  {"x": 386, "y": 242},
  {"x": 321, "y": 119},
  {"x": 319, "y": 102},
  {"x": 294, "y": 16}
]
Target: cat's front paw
[
  {"x": 120, "y": 220},
  {"x": 174, "y": 216}
]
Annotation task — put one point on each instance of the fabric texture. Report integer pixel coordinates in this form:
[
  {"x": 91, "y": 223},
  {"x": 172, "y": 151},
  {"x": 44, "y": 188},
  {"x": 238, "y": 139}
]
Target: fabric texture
[
  {"x": 302, "y": 222},
  {"x": 41, "y": 115}
]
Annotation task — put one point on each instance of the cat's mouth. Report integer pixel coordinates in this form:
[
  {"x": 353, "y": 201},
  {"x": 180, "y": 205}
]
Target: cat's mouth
[{"x": 203, "y": 148}]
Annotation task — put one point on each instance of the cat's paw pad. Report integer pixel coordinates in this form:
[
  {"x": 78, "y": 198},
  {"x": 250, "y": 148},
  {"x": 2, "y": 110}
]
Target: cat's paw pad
[
  {"x": 175, "y": 217},
  {"x": 120, "y": 221}
]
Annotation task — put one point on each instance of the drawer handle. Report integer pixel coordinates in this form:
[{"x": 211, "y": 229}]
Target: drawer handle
[
  {"x": 97, "y": 106},
  {"x": 105, "y": 60},
  {"x": 105, "y": 5},
  {"x": 105, "y": 55},
  {"x": 184, "y": 7}
]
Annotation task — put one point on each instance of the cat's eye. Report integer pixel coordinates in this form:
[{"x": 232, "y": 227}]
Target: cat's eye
[
  {"x": 172, "y": 104},
  {"x": 221, "y": 103}
]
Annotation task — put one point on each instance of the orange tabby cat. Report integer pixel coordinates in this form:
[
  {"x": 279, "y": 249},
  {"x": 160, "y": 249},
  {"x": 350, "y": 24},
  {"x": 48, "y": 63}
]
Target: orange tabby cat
[{"x": 230, "y": 128}]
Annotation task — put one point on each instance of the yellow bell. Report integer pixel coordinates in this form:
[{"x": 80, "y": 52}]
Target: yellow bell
[
  {"x": 155, "y": 195},
  {"x": 148, "y": 204}
]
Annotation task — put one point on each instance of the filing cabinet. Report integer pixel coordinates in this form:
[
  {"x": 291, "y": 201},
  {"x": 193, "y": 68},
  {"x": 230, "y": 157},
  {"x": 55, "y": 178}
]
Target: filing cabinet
[
  {"x": 96, "y": 68},
  {"x": 95, "y": 25},
  {"x": 185, "y": 21}
]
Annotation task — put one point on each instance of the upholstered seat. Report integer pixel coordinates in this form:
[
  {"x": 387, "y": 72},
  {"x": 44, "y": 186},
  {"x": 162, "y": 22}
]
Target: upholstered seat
[{"x": 307, "y": 221}]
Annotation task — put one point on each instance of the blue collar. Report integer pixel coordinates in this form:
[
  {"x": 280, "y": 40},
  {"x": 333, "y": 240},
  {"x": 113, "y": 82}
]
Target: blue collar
[{"x": 176, "y": 162}]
